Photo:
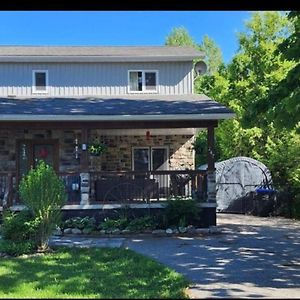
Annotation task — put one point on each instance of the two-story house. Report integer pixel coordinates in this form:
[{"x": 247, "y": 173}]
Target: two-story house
[{"x": 137, "y": 101}]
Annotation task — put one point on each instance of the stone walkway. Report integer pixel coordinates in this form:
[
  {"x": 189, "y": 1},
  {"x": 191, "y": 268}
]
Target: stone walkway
[{"x": 86, "y": 242}]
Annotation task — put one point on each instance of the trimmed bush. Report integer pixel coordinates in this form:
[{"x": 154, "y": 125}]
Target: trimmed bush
[
  {"x": 19, "y": 226},
  {"x": 181, "y": 212}
]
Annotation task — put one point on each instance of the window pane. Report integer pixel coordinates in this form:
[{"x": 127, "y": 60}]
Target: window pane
[
  {"x": 159, "y": 159},
  {"x": 150, "y": 80},
  {"x": 40, "y": 81},
  {"x": 141, "y": 159},
  {"x": 135, "y": 81}
]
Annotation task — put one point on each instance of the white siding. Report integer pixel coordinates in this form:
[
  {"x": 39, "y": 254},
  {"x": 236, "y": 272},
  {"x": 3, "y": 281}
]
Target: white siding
[{"x": 92, "y": 79}]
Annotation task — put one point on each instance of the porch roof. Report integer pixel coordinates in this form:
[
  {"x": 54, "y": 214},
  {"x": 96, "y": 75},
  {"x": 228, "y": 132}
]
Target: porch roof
[{"x": 128, "y": 107}]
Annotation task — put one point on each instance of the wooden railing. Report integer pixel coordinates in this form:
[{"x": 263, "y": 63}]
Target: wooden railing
[{"x": 121, "y": 186}]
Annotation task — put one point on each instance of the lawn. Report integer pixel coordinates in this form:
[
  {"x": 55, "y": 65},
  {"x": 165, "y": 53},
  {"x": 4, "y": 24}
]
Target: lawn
[{"x": 88, "y": 273}]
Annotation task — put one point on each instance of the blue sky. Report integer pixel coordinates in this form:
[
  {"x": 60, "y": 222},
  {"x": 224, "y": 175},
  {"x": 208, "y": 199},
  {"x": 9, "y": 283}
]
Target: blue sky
[{"x": 119, "y": 27}]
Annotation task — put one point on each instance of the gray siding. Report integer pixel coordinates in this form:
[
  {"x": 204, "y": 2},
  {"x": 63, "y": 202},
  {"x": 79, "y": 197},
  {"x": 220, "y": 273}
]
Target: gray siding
[{"x": 92, "y": 79}]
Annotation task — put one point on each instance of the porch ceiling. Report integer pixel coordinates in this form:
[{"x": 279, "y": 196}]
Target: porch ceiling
[{"x": 137, "y": 107}]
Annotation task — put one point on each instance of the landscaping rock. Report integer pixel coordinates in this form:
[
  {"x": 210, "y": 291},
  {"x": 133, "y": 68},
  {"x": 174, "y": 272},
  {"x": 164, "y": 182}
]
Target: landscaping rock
[
  {"x": 76, "y": 231},
  {"x": 169, "y": 231},
  {"x": 57, "y": 231},
  {"x": 116, "y": 231},
  {"x": 86, "y": 230},
  {"x": 182, "y": 229},
  {"x": 214, "y": 229},
  {"x": 125, "y": 231},
  {"x": 191, "y": 229},
  {"x": 175, "y": 231},
  {"x": 159, "y": 232},
  {"x": 102, "y": 231},
  {"x": 68, "y": 230}
]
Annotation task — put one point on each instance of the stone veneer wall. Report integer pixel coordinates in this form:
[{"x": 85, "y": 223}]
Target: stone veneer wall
[
  {"x": 117, "y": 157},
  {"x": 119, "y": 151},
  {"x": 8, "y": 146}
]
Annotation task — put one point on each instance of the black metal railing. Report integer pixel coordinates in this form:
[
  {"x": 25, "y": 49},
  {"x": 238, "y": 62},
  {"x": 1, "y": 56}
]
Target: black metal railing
[{"x": 121, "y": 186}]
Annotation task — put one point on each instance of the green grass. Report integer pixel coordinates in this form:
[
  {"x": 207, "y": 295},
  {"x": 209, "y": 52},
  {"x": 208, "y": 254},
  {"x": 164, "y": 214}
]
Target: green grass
[{"x": 88, "y": 273}]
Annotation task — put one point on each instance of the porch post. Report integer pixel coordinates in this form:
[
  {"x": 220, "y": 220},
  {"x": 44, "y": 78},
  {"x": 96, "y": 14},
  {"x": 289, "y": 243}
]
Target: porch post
[
  {"x": 211, "y": 178},
  {"x": 84, "y": 172}
]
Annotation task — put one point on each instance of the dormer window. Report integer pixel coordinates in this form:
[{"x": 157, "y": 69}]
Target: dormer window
[
  {"x": 40, "y": 81},
  {"x": 143, "y": 81}
]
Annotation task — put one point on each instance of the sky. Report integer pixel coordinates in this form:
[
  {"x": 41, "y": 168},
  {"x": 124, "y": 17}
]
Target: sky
[{"x": 119, "y": 28}]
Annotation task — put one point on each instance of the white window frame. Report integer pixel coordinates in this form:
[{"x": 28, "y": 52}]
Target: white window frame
[
  {"x": 34, "y": 91},
  {"x": 144, "y": 91}
]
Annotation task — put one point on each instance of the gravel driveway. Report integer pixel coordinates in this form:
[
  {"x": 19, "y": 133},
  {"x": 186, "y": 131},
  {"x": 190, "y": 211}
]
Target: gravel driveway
[{"x": 252, "y": 257}]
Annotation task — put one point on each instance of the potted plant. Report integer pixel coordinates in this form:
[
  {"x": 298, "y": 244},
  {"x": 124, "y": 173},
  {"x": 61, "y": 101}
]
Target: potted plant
[{"x": 96, "y": 148}]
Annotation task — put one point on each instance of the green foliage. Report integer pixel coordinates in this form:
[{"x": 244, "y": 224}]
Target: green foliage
[
  {"x": 19, "y": 226},
  {"x": 213, "y": 54},
  {"x": 80, "y": 223},
  {"x": 282, "y": 104},
  {"x": 261, "y": 85},
  {"x": 17, "y": 248},
  {"x": 96, "y": 147},
  {"x": 200, "y": 146},
  {"x": 134, "y": 225},
  {"x": 111, "y": 224},
  {"x": 44, "y": 194},
  {"x": 180, "y": 36},
  {"x": 141, "y": 223},
  {"x": 181, "y": 211}
]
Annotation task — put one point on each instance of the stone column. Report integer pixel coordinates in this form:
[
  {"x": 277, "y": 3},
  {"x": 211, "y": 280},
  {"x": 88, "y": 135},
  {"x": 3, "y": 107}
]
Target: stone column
[
  {"x": 85, "y": 188},
  {"x": 84, "y": 165}
]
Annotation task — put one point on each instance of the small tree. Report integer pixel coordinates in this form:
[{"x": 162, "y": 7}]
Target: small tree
[{"x": 44, "y": 194}]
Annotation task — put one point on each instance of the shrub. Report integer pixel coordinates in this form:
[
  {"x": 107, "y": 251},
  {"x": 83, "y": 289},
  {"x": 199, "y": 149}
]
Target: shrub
[
  {"x": 80, "y": 223},
  {"x": 19, "y": 226},
  {"x": 110, "y": 224},
  {"x": 44, "y": 194},
  {"x": 142, "y": 223},
  {"x": 181, "y": 212},
  {"x": 16, "y": 248}
]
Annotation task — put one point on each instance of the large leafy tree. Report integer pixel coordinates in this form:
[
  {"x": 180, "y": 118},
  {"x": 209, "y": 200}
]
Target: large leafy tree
[
  {"x": 213, "y": 54},
  {"x": 261, "y": 84},
  {"x": 179, "y": 36},
  {"x": 282, "y": 104}
]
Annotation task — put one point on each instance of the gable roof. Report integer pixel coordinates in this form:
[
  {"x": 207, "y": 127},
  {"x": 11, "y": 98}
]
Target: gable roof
[
  {"x": 138, "y": 107},
  {"x": 98, "y": 53}
]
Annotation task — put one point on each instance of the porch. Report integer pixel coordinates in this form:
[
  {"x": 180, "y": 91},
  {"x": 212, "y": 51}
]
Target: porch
[{"x": 150, "y": 156}]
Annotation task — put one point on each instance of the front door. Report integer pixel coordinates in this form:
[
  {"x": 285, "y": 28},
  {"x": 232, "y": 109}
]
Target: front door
[{"x": 30, "y": 152}]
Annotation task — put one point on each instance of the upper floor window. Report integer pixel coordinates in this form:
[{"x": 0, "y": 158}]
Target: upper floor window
[
  {"x": 143, "y": 81},
  {"x": 39, "y": 81}
]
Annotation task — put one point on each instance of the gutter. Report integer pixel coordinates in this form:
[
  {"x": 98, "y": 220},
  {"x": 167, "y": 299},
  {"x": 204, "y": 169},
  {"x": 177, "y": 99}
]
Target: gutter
[
  {"x": 76, "y": 58},
  {"x": 178, "y": 117}
]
